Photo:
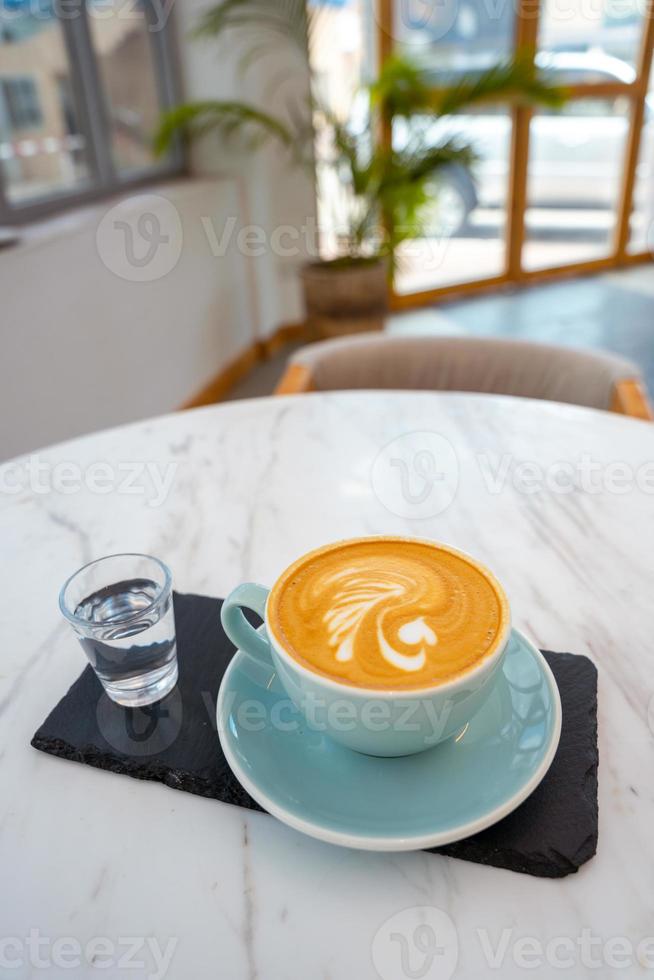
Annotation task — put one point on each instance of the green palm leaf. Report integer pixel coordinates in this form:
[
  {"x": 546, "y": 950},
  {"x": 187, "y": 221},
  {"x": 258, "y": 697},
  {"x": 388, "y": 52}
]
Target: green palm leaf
[
  {"x": 195, "y": 119},
  {"x": 511, "y": 81},
  {"x": 403, "y": 89}
]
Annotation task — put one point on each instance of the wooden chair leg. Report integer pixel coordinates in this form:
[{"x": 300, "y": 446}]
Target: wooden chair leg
[
  {"x": 630, "y": 398},
  {"x": 296, "y": 380}
]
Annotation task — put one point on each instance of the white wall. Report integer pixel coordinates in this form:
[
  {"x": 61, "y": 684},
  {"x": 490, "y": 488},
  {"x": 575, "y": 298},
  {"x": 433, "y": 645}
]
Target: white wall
[
  {"x": 83, "y": 348},
  {"x": 274, "y": 192}
]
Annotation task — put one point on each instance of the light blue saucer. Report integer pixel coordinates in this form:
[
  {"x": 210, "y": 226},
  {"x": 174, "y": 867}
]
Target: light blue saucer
[{"x": 444, "y": 794}]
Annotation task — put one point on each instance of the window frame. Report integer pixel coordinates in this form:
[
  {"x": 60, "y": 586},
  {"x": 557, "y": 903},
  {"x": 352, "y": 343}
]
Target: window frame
[
  {"x": 93, "y": 117},
  {"x": 526, "y": 31}
]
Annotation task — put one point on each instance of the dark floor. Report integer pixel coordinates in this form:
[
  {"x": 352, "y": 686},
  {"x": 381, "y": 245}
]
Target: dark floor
[
  {"x": 263, "y": 379},
  {"x": 614, "y": 311}
]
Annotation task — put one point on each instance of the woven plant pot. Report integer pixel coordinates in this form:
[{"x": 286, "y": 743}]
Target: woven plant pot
[{"x": 343, "y": 299}]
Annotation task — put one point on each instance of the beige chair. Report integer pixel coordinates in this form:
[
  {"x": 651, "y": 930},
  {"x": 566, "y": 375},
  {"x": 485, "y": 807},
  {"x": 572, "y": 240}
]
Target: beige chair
[{"x": 496, "y": 366}]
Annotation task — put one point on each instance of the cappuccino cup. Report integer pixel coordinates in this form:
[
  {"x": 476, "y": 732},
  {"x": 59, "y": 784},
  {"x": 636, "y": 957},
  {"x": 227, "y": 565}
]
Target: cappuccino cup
[{"x": 389, "y": 645}]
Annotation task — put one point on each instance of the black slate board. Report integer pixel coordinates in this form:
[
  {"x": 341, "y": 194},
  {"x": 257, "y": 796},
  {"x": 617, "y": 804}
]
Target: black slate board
[{"x": 175, "y": 742}]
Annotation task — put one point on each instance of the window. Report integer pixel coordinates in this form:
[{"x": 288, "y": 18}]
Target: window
[
  {"x": 465, "y": 225},
  {"x": 82, "y": 85},
  {"x": 21, "y": 100},
  {"x": 642, "y": 213},
  {"x": 573, "y": 181},
  {"x": 550, "y": 191}
]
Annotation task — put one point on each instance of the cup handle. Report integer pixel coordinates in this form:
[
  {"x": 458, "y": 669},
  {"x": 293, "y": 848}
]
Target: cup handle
[{"x": 240, "y": 632}]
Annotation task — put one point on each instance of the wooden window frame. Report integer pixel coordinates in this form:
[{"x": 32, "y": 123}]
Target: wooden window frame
[{"x": 514, "y": 273}]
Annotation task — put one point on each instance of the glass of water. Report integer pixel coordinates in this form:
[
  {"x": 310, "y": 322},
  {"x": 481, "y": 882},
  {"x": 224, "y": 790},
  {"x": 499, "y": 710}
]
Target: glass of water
[{"x": 121, "y": 608}]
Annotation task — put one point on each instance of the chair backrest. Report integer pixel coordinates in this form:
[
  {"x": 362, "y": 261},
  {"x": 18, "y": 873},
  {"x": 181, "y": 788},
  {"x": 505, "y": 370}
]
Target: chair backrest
[{"x": 489, "y": 365}]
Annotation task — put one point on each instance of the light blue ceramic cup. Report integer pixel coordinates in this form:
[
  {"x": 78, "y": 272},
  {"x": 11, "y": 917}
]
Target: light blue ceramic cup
[{"x": 375, "y": 722}]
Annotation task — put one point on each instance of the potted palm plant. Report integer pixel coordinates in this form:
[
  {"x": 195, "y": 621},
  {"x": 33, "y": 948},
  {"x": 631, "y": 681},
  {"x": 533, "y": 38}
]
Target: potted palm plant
[{"x": 387, "y": 189}]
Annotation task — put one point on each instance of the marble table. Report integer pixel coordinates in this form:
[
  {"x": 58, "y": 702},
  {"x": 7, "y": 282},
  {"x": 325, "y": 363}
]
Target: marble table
[{"x": 99, "y": 867}]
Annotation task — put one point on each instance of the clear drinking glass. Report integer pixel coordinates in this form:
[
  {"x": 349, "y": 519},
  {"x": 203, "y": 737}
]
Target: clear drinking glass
[{"x": 121, "y": 609}]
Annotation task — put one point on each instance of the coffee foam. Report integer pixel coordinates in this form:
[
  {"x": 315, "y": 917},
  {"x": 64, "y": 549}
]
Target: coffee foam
[{"x": 387, "y": 612}]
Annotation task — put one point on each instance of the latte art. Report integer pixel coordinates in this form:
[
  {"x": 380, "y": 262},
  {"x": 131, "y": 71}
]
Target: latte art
[
  {"x": 388, "y": 612},
  {"x": 359, "y": 592}
]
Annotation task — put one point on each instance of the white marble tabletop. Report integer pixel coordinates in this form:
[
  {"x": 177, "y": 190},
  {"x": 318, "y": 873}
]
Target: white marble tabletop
[{"x": 144, "y": 881}]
